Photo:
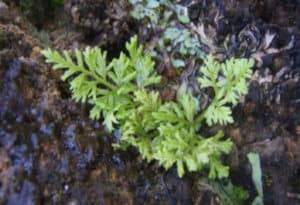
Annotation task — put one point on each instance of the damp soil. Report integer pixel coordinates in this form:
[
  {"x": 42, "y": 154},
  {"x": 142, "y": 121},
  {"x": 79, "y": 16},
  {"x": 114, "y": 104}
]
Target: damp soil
[{"x": 52, "y": 153}]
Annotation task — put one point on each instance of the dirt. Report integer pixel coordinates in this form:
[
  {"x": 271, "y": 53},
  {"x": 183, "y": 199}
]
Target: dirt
[{"x": 52, "y": 153}]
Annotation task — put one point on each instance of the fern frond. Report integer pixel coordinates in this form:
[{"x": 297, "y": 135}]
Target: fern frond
[
  {"x": 215, "y": 114},
  {"x": 191, "y": 152},
  {"x": 108, "y": 87},
  {"x": 229, "y": 82},
  {"x": 182, "y": 113},
  {"x": 140, "y": 127},
  {"x": 167, "y": 132},
  {"x": 210, "y": 71}
]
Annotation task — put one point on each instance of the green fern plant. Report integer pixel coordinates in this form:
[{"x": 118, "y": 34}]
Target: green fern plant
[
  {"x": 168, "y": 132},
  {"x": 179, "y": 140},
  {"x": 107, "y": 87}
]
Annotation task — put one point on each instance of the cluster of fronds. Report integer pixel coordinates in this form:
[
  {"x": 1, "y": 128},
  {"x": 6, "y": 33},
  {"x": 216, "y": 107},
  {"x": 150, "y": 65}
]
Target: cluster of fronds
[
  {"x": 168, "y": 132},
  {"x": 107, "y": 87}
]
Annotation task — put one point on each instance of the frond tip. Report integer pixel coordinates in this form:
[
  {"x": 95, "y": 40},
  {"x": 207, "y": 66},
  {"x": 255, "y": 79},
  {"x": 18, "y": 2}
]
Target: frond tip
[{"x": 229, "y": 82}]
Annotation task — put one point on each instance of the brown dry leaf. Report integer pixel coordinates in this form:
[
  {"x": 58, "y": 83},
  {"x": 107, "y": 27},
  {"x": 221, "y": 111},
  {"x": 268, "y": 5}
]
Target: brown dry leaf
[{"x": 168, "y": 94}]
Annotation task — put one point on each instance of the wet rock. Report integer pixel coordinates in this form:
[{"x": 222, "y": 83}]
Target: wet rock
[
  {"x": 270, "y": 150},
  {"x": 293, "y": 148},
  {"x": 26, "y": 195},
  {"x": 7, "y": 140},
  {"x": 33, "y": 10},
  {"x": 14, "y": 41},
  {"x": 38, "y": 11},
  {"x": 108, "y": 22}
]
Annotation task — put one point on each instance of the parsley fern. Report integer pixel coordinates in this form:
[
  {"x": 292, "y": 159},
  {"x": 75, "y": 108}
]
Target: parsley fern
[
  {"x": 229, "y": 82},
  {"x": 168, "y": 132},
  {"x": 107, "y": 87}
]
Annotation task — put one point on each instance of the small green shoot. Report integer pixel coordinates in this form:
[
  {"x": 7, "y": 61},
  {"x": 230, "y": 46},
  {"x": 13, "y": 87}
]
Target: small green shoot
[
  {"x": 256, "y": 178},
  {"x": 228, "y": 193}
]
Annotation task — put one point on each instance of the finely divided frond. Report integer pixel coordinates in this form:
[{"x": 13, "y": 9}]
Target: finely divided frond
[
  {"x": 167, "y": 132},
  {"x": 109, "y": 87},
  {"x": 229, "y": 82}
]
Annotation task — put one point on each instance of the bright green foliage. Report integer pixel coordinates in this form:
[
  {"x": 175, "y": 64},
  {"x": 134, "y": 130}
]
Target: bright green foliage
[
  {"x": 168, "y": 132},
  {"x": 192, "y": 151},
  {"x": 180, "y": 114},
  {"x": 108, "y": 87},
  {"x": 140, "y": 129},
  {"x": 229, "y": 82}
]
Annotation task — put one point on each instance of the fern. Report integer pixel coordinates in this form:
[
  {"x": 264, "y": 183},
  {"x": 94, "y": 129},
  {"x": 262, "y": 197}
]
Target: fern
[
  {"x": 107, "y": 87},
  {"x": 178, "y": 142},
  {"x": 229, "y": 82},
  {"x": 179, "y": 122},
  {"x": 168, "y": 132},
  {"x": 180, "y": 114},
  {"x": 183, "y": 148},
  {"x": 140, "y": 128}
]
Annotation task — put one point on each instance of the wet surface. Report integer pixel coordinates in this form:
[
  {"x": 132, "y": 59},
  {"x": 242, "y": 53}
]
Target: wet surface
[{"x": 52, "y": 153}]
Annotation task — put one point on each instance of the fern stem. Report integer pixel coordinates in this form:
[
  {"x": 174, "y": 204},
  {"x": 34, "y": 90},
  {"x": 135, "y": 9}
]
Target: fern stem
[
  {"x": 201, "y": 117},
  {"x": 98, "y": 79}
]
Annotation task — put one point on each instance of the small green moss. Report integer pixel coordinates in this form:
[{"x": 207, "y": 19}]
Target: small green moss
[
  {"x": 56, "y": 3},
  {"x": 268, "y": 180}
]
